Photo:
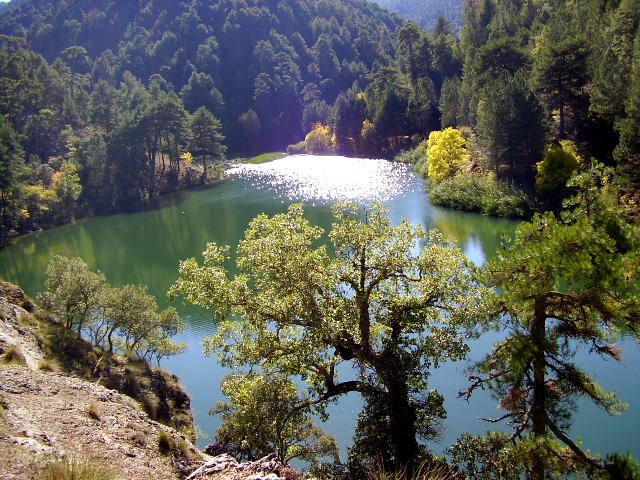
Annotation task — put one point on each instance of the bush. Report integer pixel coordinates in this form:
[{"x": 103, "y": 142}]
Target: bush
[
  {"x": 13, "y": 356},
  {"x": 413, "y": 156},
  {"x": 165, "y": 443},
  {"x": 297, "y": 148},
  {"x": 75, "y": 469},
  {"x": 476, "y": 193}
]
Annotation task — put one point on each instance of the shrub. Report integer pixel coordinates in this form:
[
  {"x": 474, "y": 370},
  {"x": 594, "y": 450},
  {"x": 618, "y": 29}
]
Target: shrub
[
  {"x": 297, "y": 148},
  {"x": 93, "y": 411},
  {"x": 165, "y": 443},
  {"x": 560, "y": 161},
  {"x": 75, "y": 469},
  {"x": 413, "y": 156},
  {"x": 476, "y": 193},
  {"x": 13, "y": 356}
]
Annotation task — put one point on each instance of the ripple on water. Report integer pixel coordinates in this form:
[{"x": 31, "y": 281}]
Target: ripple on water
[{"x": 307, "y": 178}]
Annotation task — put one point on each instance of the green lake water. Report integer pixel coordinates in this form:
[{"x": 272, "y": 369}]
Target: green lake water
[{"x": 145, "y": 247}]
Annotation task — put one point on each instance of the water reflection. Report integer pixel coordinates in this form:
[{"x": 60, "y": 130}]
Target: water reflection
[{"x": 329, "y": 179}]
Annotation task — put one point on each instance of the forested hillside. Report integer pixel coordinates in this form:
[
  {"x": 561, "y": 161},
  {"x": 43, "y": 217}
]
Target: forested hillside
[
  {"x": 545, "y": 88},
  {"x": 258, "y": 66},
  {"x": 427, "y": 12},
  {"x": 107, "y": 101}
]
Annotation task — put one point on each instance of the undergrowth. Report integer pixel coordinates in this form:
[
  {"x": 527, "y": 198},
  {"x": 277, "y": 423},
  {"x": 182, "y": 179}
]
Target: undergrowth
[
  {"x": 265, "y": 157},
  {"x": 75, "y": 469},
  {"x": 482, "y": 194}
]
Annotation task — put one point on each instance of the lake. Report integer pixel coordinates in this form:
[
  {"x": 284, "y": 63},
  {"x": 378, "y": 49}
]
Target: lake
[{"x": 145, "y": 247}]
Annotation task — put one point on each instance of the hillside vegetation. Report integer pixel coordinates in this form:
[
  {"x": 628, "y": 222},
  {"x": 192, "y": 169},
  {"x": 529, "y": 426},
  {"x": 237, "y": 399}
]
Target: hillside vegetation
[
  {"x": 105, "y": 102},
  {"x": 427, "y": 12},
  {"x": 255, "y": 65}
]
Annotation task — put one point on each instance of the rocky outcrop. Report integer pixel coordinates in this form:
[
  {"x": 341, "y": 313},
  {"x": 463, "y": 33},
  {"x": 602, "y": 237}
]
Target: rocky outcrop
[
  {"x": 225, "y": 467},
  {"x": 15, "y": 310},
  {"x": 47, "y": 415}
]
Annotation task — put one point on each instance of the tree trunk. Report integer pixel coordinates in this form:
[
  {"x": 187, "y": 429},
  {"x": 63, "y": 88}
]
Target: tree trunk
[
  {"x": 402, "y": 420},
  {"x": 538, "y": 412},
  {"x": 204, "y": 169}
]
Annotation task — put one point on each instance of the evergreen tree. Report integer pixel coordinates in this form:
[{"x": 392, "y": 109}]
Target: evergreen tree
[
  {"x": 560, "y": 72},
  {"x": 564, "y": 282},
  {"x": 511, "y": 128},
  {"x": 627, "y": 153},
  {"x": 11, "y": 163},
  {"x": 206, "y": 139},
  {"x": 451, "y": 103}
]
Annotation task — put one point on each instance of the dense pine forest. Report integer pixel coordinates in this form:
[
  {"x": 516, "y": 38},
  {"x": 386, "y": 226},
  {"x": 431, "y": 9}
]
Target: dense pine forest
[
  {"x": 105, "y": 102},
  {"x": 427, "y": 12}
]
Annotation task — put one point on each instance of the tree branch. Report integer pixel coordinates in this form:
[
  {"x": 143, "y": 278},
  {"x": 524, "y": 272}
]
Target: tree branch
[{"x": 594, "y": 464}]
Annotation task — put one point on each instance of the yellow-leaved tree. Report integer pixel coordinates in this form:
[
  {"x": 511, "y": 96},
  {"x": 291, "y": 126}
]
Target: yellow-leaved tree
[
  {"x": 446, "y": 153},
  {"x": 319, "y": 139}
]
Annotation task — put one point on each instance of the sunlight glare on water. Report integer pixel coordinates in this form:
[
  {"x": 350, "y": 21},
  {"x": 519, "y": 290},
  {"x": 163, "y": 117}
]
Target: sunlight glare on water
[{"x": 303, "y": 178}]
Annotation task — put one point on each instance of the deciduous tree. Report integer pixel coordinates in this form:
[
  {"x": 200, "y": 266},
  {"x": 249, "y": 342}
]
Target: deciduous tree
[
  {"x": 446, "y": 153},
  {"x": 263, "y": 416},
  {"x": 73, "y": 291},
  {"x": 320, "y": 139},
  {"x": 377, "y": 303}
]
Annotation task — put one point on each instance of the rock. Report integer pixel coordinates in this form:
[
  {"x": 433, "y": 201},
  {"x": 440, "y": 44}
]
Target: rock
[
  {"x": 225, "y": 467},
  {"x": 13, "y": 336},
  {"x": 39, "y": 425}
]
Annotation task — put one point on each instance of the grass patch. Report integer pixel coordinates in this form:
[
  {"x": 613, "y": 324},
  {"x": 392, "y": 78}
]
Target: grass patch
[
  {"x": 93, "y": 411},
  {"x": 48, "y": 365},
  {"x": 139, "y": 439},
  {"x": 13, "y": 356},
  {"x": 3, "y": 410},
  {"x": 75, "y": 469},
  {"x": 426, "y": 471},
  {"x": 185, "y": 451},
  {"x": 478, "y": 193},
  {"x": 265, "y": 157},
  {"x": 165, "y": 443}
]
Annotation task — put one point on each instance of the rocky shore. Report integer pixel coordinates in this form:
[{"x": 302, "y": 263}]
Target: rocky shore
[{"x": 48, "y": 413}]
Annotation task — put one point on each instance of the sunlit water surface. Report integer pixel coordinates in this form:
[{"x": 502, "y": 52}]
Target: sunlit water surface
[
  {"x": 332, "y": 179},
  {"x": 145, "y": 247}
]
